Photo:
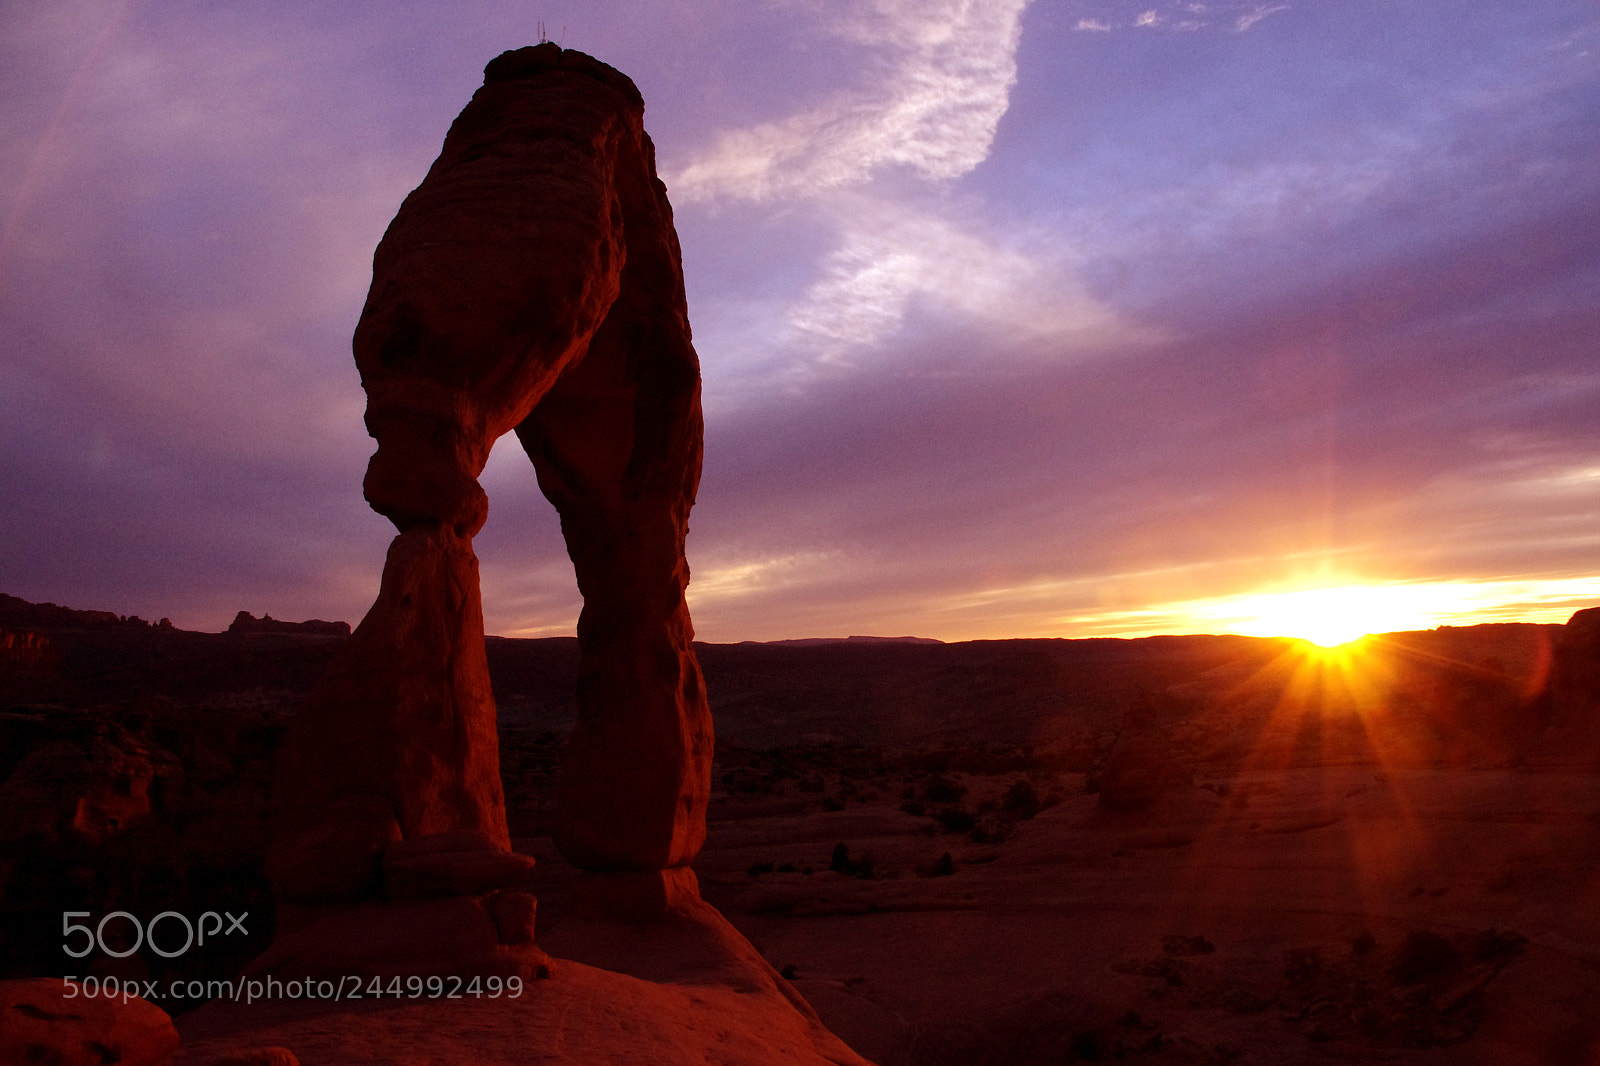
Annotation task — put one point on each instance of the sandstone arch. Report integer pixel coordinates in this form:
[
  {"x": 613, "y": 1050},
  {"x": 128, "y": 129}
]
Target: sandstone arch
[{"x": 532, "y": 283}]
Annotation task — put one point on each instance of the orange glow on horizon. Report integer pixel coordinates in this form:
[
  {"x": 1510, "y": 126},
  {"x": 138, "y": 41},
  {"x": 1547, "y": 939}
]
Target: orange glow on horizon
[
  {"x": 1333, "y": 615},
  {"x": 1330, "y": 617}
]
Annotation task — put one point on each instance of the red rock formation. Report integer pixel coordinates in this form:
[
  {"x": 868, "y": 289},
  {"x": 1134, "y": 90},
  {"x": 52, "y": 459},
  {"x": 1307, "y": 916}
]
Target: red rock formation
[
  {"x": 84, "y": 789},
  {"x": 532, "y": 282},
  {"x": 46, "y": 1021},
  {"x": 1571, "y": 699}
]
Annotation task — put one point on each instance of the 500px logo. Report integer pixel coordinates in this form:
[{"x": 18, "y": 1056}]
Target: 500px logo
[{"x": 209, "y": 924}]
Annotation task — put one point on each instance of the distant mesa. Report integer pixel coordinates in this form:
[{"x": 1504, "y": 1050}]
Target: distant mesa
[
  {"x": 247, "y": 623},
  {"x": 807, "y": 642},
  {"x": 18, "y": 613}
]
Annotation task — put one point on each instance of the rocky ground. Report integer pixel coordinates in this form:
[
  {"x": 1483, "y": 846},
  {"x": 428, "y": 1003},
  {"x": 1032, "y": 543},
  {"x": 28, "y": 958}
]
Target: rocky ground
[
  {"x": 1203, "y": 850},
  {"x": 1313, "y": 914}
]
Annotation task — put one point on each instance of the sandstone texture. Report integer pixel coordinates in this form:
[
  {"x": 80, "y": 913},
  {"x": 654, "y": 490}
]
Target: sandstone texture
[
  {"x": 681, "y": 989},
  {"x": 531, "y": 283},
  {"x": 405, "y": 717},
  {"x": 39, "y": 1023}
]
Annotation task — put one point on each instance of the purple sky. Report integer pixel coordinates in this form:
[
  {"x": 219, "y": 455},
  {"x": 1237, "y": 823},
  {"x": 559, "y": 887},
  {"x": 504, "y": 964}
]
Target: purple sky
[{"x": 1015, "y": 319}]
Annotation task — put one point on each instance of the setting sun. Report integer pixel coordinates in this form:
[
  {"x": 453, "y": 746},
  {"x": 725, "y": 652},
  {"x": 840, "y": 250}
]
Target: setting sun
[{"x": 1337, "y": 615}]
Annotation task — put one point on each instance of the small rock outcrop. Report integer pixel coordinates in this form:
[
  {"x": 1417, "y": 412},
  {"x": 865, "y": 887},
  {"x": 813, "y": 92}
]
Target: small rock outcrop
[
  {"x": 1570, "y": 701},
  {"x": 46, "y": 1021},
  {"x": 532, "y": 283},
  {"x": 84, "y": 788}
]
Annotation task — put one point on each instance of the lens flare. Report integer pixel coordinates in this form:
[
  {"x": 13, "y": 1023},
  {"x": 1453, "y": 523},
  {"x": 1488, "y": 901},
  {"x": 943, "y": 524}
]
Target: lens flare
[{"x": 1337, "y": 615}]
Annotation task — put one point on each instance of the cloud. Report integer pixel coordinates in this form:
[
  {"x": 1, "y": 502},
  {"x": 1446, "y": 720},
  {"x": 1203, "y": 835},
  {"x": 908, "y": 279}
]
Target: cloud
[
  {"x": 1243, "y": 22},
  {"x": 1374, "y": 287},
  {"x": 1182, "y": 16},
  {"x": 758, "y": 577},
  {"x": 939, "y": 82},
  {"x": 895, "y": 260}
]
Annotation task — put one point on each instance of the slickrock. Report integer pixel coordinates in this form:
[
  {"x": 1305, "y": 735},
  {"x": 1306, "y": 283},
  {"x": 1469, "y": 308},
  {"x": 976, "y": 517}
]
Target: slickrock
[
  {"x": 1137, "y": 772},
  {"x": 683, "y": 987},
  {"x": 48, "y": 1021}
]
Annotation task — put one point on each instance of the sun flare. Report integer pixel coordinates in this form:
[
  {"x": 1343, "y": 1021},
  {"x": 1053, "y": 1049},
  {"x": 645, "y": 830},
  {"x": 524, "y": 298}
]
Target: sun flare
[
  {"x": 1328, "y": 617},
  {"x": 1336, "y": 615}
]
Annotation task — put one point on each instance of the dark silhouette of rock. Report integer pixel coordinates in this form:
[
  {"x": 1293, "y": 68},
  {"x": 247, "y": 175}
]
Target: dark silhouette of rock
[
  {"x": 83, "y": 788},
  {"x": 20, "y": 613},
  {"x": 245, "y": 622},
  {"x": 531, "y": 283},
  {"x": 41, "y": 1023},
  {"x": 1571, "y": 697}
]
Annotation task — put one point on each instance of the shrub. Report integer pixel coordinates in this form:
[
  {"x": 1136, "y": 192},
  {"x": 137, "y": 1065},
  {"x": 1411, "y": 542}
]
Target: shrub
[
  {"x": 1425, "y": 954},
  {"x": 841, "y": 862},
  {"x": 1020, "y": 802}
]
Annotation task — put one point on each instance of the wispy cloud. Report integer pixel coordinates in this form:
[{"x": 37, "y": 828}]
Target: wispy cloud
[
  {"x": 943, "y": 82},
  {"x": 894, "y": 259},
  {"x": 1178, "y": 16},
  {"x": 760, "y": 576},
  {"x": 1244, "y": 22}
]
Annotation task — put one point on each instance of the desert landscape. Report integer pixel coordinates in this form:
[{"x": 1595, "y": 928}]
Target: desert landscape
[
  {"x": 1173, "y": 849},
  {"x": 1188, "y": 408}
]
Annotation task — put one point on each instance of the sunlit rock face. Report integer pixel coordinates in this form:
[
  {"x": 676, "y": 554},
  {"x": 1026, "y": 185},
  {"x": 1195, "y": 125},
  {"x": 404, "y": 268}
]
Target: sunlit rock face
[{"x": 531, "y": 283}]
